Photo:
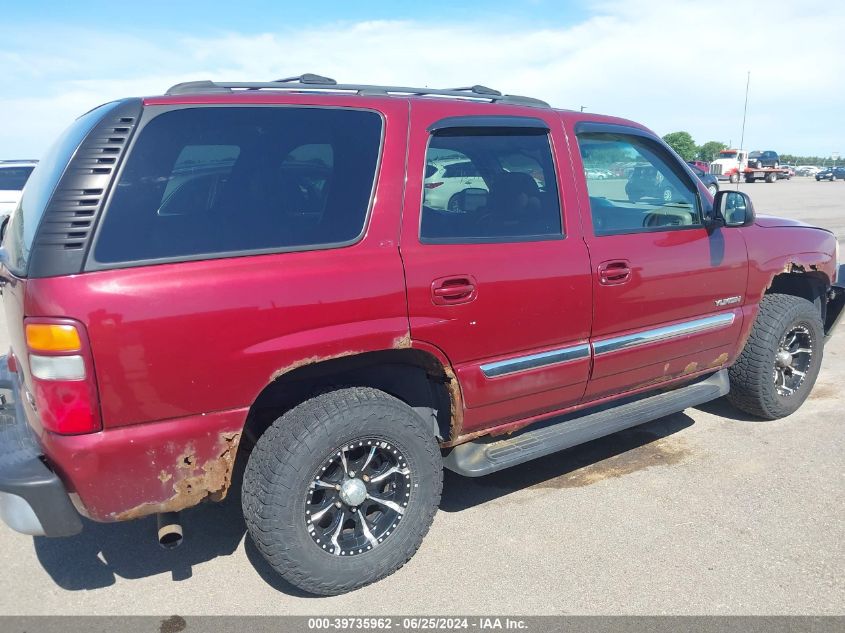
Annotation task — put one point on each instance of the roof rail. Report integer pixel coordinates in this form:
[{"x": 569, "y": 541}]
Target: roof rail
[{"x": 311, "y": 82}]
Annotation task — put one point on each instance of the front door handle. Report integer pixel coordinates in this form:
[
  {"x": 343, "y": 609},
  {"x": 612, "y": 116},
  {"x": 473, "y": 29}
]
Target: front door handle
[
  {"x": 615, "y": 272},
  {"x": 453, "y": 290}
]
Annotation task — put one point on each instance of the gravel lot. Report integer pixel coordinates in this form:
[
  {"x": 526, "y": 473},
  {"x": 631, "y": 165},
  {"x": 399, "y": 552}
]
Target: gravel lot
[{"x": 702, "y": 512}]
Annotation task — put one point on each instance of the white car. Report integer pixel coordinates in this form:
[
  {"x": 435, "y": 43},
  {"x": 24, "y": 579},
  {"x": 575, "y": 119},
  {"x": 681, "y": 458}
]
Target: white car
[
  {"x": 13, "y": 176},
  {"x": 806, "y": 170},
  {"x": 596, "y": 174},
  {"x": 445, "y": 179}
]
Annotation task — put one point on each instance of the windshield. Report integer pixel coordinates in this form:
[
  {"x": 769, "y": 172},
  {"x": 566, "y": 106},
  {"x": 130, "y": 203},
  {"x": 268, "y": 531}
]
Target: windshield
[
  {"x": 20, "y": 232},
  {"x": 755, "y": 154},
  {"x": 14, "y": 178},
  {"x": 727, "y": 154}
]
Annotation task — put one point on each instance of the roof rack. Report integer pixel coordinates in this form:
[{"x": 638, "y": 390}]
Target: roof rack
[{"x": 311, "y": 82}]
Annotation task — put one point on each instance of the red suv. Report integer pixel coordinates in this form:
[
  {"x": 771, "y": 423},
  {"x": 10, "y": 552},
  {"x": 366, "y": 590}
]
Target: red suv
[{"x": 249, "y": 271}]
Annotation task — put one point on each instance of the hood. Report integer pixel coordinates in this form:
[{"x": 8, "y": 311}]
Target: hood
[{"x": 771, "y": 221}]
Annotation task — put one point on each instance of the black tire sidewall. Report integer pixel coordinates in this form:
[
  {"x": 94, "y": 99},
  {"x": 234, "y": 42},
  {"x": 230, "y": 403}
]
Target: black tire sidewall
[
  {"x": 283, "y": 494},
  {"x": 780, "y": 316},
  {"x": 782, "y": 405}
]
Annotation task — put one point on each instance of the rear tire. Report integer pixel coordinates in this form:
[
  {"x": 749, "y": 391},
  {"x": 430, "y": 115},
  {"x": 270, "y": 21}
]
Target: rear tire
[
  {"x": 771, "y": 177},
  {"x": 757, "y": 375},
  {"x": 283, "y": 491}
]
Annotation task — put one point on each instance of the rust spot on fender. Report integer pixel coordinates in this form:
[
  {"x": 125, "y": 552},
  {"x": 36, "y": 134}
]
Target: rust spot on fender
[
  {"x": 690, "y": 368},
  {"x": 302, "y": 362},
  {"x": 456, "y": 413},
  {"x": 402, "y": 342},
  {"x": 720, "y": 360},
  {"x": 192, "y": 482}
]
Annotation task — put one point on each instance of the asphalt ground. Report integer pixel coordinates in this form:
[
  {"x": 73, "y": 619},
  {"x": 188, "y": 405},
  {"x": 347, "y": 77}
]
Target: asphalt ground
[{"x": 701, "y": 512}]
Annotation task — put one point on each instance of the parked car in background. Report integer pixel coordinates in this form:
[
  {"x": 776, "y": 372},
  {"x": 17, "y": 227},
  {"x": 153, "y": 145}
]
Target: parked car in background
[
  {"x": 13, "y": 176},
  {"x": 446, "y": 180},
  {"x": 253, "y": 282},
  {"x": 766, "y": 158},
  {"x": 831, "y": 174},
  {"x": 788, "y": 173},
  {"x": 807, "y": 170},
  {"x": 710, "y": 181},
  {"x": 597, "y": 174}
]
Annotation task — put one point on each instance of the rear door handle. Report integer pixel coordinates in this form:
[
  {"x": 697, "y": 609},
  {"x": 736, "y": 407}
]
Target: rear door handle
[
  {"x": 453, "y": 290},
  {"x": 615, "y": 272}
]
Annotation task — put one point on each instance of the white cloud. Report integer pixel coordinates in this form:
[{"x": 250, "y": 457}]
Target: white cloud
[{"x": 671, "y": 66}]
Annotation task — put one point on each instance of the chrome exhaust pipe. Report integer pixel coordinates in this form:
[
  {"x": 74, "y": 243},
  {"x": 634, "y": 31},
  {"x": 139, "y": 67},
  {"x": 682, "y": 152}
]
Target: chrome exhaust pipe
[{"x": 169, "y": 530}]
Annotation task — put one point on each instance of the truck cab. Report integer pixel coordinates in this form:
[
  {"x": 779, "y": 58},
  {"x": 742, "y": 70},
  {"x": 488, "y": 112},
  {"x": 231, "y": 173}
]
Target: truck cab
[{"x": 730, "y": 164}]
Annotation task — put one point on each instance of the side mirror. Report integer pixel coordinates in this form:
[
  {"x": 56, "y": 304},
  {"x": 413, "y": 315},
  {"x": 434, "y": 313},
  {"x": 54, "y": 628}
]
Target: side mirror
[{"x": 734, "y": 208}]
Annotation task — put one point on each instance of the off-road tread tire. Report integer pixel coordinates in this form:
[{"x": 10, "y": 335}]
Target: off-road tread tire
[
  {"x": 752, "y": 387},
  {"x": 280, "y": 469}
]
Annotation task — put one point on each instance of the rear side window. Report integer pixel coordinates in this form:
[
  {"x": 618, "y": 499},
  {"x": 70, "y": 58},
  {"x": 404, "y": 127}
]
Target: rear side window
[
  {"x": 204, "y": 182},
  {"x": 489, "y": 185}
]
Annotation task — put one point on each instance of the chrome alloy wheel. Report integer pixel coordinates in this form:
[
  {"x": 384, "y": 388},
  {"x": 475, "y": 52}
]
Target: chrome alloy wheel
[
  {"x": 358, "y": 497},
  {"x": 793, "y": 360}
]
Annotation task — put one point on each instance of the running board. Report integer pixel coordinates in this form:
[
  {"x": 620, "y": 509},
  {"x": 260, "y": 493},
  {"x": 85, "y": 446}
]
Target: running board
[{"x": 489, "y": 454}]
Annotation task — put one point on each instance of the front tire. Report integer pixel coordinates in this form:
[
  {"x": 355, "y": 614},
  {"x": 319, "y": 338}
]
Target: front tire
[
  {"x": 781, "y": 359},
  {"x": 340, "y": 490},
  {"x": 734, "y": 178},
  {"x": 713, "y": 189}
]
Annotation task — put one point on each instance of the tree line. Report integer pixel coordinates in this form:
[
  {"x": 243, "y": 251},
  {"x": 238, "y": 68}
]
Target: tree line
[{"x": 686, "y": 147}]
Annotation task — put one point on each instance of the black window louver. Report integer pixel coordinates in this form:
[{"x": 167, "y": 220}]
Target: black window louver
[{"x": 67, "y": 227}]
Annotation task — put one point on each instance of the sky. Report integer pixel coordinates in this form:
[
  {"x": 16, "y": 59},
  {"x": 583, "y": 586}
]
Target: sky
[{"x": 671, "y": 65}]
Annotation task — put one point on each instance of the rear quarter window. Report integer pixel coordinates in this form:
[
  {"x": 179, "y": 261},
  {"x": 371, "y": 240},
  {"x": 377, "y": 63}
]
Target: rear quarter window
[
  {"x": 25, "y": 219},
  {"x": 219, "y": 181}
]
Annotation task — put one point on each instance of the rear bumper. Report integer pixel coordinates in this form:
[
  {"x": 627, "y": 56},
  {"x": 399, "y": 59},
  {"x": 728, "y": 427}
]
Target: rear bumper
[
  {"x": 836, "y": 304},
  {"x": 33, "y": 499}
]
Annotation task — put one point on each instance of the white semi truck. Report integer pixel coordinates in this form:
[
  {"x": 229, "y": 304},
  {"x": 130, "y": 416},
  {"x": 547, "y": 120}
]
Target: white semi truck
[{"x": 730, "y": 165}]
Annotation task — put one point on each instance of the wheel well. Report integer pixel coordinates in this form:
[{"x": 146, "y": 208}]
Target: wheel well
[
  {"x": 415, "y": 377},
  {"x": 812, "y": 286}
]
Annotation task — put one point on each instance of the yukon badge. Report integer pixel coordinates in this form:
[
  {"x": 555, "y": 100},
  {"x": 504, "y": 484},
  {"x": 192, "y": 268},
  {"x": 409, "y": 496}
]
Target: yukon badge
[{"x": 727, "y": 301}]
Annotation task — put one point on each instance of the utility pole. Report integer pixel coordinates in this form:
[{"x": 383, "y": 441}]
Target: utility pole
[
  {"x": 582, "y": 108},
  {"x": 745, "y": 111}
]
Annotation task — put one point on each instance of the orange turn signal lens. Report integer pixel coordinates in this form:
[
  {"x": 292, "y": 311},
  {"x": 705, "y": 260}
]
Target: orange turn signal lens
[{"x": 46, "y": 337}]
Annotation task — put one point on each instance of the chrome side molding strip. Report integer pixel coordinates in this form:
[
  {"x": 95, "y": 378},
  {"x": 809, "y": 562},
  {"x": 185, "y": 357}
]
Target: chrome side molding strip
[
  {"x": 523, "y": 363},
  {"x": 647, "y": 337},
  {"x": 607, "y": 346}
]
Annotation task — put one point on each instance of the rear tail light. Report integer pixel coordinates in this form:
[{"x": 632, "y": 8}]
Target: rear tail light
[
  {"x": 432, "y": 185},
  {"x": 63, "y": 376}
]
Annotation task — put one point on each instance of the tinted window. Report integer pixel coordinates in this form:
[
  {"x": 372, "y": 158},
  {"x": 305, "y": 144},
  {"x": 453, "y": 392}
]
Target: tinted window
[
  {"x": 14, "y": 178},
  {"x": 24, "y": 221},
  {"x": 648, "y": 190},
  {"x": 491, "y": 184},
  {"x": 205, "y": 181}
]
